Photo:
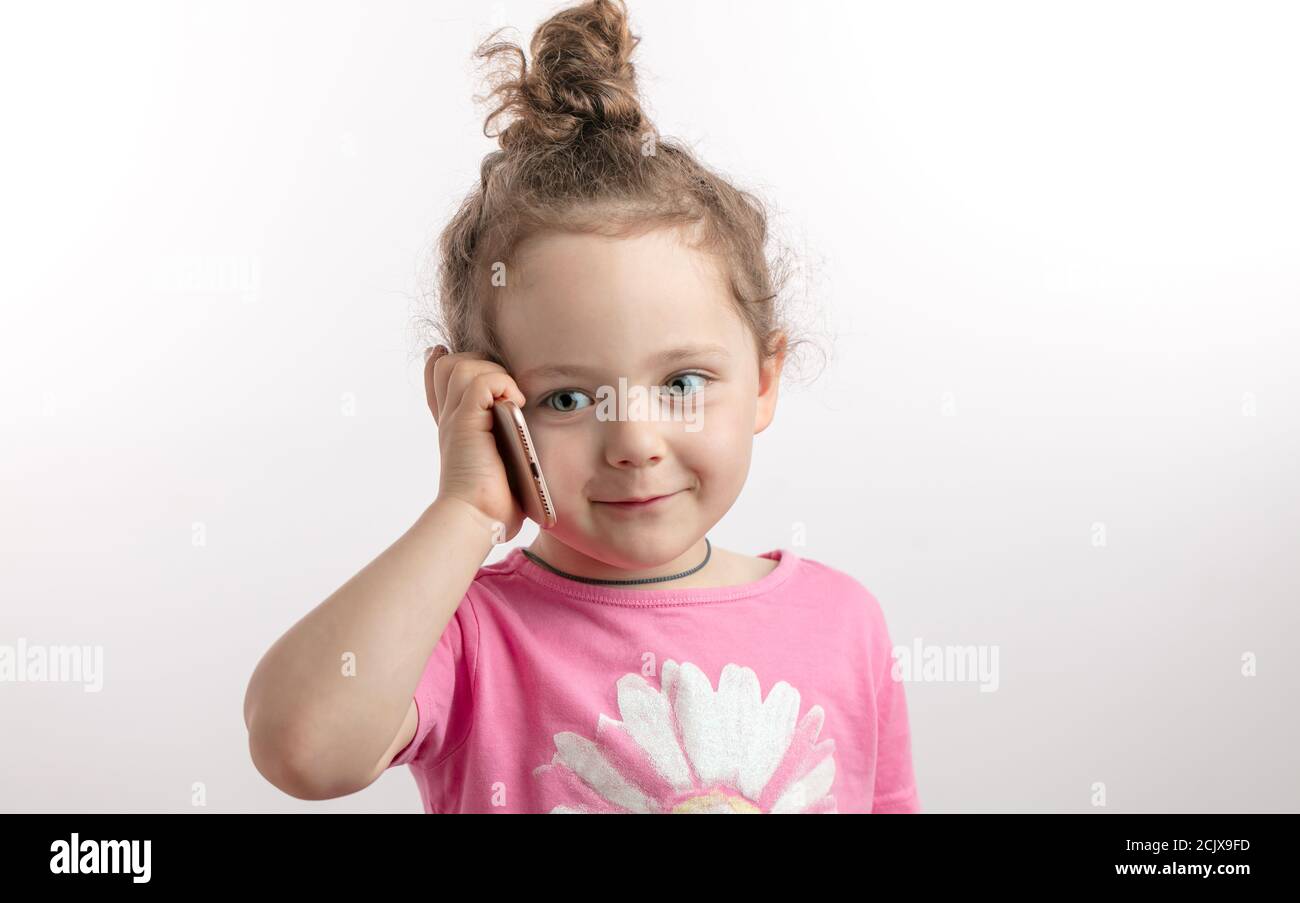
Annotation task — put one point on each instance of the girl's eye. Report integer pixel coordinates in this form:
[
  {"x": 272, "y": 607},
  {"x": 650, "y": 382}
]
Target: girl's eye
[
  {"x": 680, "y": 391},
  {"x": 568, "y": 397},
  {"x": 567, "y": 401}
]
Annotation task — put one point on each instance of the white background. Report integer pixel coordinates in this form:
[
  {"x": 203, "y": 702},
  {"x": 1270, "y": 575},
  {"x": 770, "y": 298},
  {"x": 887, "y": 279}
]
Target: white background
[{"x": 1052, "y": 249}]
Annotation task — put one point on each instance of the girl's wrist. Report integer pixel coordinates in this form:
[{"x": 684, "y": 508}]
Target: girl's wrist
[{"x": 474, "y": 519}]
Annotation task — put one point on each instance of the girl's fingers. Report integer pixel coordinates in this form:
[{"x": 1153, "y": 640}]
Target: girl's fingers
[
  {"x": 431, "y": 358},
  {"x": 489, "y": 385},
  {"x": 448, "y": 377},
  {"x": 455, "y": 374},
  {"x": 443, "y": 364}
]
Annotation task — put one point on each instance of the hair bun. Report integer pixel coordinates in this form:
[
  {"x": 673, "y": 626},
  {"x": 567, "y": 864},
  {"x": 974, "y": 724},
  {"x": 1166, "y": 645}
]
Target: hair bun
[{"x": 582, "y": 77}]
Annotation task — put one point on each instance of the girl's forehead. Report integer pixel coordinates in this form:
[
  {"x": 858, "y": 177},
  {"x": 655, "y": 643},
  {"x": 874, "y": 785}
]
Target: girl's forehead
[
  {"x": 623, "y": 343},
  {"x": 633, "y": 268},
  {"x": 611, "y": 293},
  {"x": 613, "y": 336},
  {"x": 573, "y": 297}
]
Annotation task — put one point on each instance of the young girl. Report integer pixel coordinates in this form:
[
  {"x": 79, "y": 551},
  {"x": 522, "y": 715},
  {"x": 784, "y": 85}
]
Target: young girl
[{"x": 621, "y": 663}]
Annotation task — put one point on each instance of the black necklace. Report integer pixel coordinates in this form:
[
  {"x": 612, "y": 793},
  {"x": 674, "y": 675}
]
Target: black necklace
[{"x": 708, "y": 553}]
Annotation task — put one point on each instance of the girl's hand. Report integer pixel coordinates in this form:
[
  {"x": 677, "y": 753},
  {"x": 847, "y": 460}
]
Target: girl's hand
[{"x": 461, "y": 389}]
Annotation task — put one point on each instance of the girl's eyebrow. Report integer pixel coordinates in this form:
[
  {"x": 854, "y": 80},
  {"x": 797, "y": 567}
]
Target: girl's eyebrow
[{"x": 669, "y": 356}]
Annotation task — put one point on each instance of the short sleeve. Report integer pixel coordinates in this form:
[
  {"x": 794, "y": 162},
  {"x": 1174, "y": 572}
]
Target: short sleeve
[
  {"x": 895, "y": 790},
  {"x": 444, "y": 695}
]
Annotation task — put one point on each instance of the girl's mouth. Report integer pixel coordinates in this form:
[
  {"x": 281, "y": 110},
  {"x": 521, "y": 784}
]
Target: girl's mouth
[{"x": 650, "y": 504}]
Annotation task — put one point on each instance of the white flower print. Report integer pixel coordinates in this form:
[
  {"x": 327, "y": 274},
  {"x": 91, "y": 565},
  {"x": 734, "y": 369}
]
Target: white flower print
[{"x": 688, "y": 748}]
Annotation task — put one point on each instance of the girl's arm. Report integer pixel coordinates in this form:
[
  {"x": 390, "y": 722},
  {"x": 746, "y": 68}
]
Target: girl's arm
[{"x": 319, "y": 727}]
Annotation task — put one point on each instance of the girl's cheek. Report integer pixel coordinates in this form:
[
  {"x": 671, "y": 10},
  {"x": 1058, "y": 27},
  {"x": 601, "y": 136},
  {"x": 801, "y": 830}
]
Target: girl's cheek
[
  {"x": 715, "y": 440},
  {"x": 567, "y": 460}
]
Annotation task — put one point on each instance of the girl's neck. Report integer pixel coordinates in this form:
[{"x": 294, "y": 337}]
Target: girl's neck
[{"x": 565, "y": 558}]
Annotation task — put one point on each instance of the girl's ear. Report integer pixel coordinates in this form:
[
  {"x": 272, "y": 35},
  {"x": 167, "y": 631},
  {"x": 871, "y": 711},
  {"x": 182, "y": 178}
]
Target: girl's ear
[{"x": 769, "y": 382}]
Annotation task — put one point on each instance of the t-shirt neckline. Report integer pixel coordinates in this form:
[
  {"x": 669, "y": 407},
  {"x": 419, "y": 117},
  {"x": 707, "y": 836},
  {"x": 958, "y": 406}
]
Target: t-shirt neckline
[{"x": 521, "y": 564}]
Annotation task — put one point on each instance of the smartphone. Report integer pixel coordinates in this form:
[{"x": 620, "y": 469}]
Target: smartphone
[{"x": 523, "y": 467}]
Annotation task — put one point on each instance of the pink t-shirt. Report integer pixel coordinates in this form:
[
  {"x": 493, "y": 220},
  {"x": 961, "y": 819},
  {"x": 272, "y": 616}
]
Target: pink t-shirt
[{"x": 546, "y": 694}]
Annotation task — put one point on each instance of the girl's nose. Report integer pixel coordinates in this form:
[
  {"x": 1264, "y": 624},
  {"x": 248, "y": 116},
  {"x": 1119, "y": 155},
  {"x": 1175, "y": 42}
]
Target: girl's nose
[{"x": 633, "y": 443}]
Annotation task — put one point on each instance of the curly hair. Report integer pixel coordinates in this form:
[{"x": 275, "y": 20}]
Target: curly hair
[{"x": 580, "y": 155}]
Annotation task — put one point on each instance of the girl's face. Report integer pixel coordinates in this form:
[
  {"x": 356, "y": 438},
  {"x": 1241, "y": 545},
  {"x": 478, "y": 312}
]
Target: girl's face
[{"x": 579, "y": 314}]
